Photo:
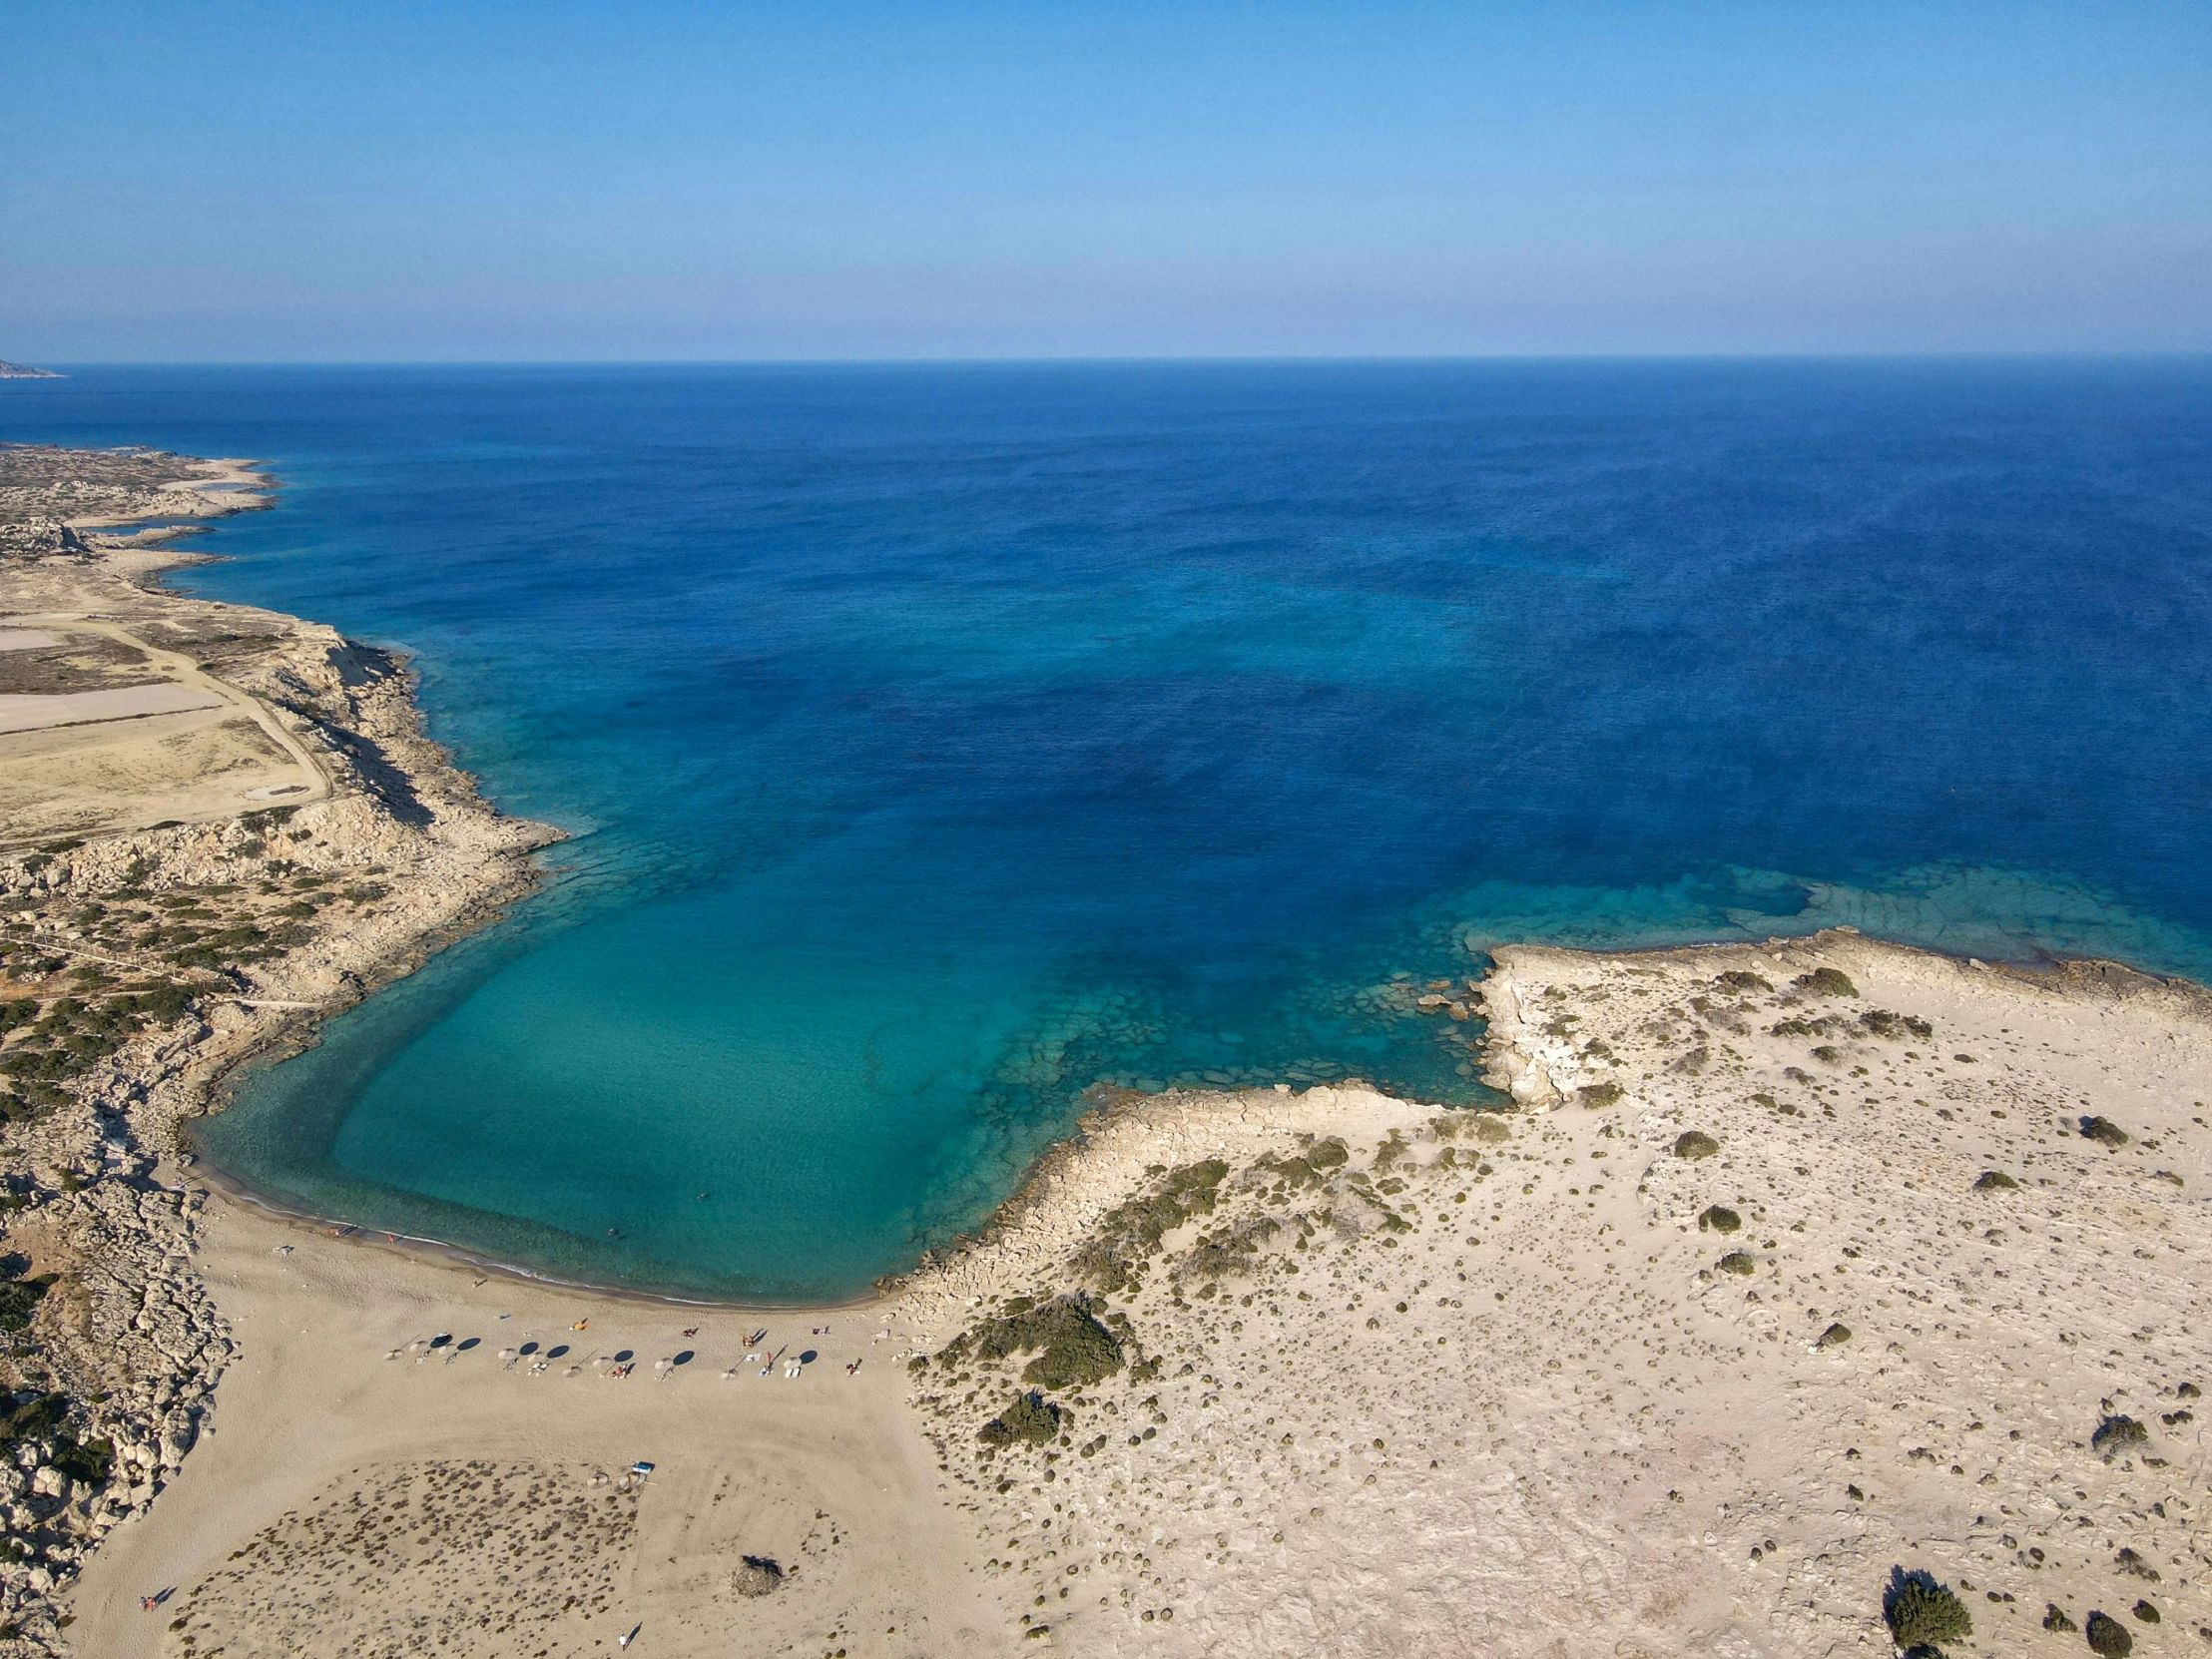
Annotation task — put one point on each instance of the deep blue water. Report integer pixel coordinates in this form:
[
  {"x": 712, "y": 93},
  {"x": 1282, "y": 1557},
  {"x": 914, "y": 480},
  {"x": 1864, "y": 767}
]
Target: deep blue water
[{"x": 940, "y": 740}]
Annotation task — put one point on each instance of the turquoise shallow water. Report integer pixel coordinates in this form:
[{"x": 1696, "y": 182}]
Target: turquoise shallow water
[{"x": 940, "y": 741}]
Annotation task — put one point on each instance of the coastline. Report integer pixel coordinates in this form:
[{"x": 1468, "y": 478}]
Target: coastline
[
  {"x": 297, "y": 843},
  {"x": 1342, "y": 1372},
  {"x": 1228, "y": 1373}
]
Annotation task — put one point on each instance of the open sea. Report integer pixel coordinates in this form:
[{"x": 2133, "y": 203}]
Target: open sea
[{"x": 940, "y": 741}]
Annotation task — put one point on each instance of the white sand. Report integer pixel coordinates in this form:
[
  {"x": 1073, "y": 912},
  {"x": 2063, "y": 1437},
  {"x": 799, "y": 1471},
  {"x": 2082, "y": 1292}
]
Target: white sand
[{"x": 825, "y": 1473}]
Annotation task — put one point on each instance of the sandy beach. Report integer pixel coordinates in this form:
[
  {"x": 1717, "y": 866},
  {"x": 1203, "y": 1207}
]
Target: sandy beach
[
  {"x": 1464, "y": 1383},
  {"x": 1773, "y": 1271}
]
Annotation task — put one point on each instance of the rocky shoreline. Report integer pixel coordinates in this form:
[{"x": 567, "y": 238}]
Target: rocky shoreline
[{"x": 143, "y": 965}]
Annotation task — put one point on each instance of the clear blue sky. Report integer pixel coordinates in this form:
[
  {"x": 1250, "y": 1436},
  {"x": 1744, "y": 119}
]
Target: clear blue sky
[{"x": 662, "y": 180}]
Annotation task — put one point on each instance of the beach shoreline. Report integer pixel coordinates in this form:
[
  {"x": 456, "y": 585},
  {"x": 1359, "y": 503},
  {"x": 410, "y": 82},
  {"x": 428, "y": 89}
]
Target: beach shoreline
[
  {"x": 1684, "y": 1350},
  {"x": 1035, "y": 1186},
  {"x": 1382, "y": 1347}
]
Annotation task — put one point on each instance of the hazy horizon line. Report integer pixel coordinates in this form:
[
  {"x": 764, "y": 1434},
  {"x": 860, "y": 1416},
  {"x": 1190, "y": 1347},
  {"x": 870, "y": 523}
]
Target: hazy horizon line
[{"x": 1042, "y": 359}]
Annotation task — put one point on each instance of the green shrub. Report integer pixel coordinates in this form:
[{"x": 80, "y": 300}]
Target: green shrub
[
  {"x": 87, "y": 1462},
  {"x": 1072, "y": 1347},
  {"x": 1736, "y": 979},
  {"x": 2145, "y": 1611},
  {"x": 2131, "y": 1560},
  {"x": 1995, "y": 1180},
  {"x": 162, "y": 1005},
  {"x": 1737, "y": 1263},
  {"x": 2056, "y": 1620},
  {"x": 1826, "y": 981},
  {"x": 13, "y": 1269},
  {"x": 1921, "y": 1612},
  {"x": 1695, "y": 1143},
  {"x": 1896, "y": 1027},
  {"x": 1232, "y": 1250},
  {"x": 2106, "y": 1133},
  {"x": 1599, "y": 1094},
  {"x": 1718, "y": 1218},
  {"x": 1131, "y": 1231},
  {"x": 1030, "y": 1420},
  {"x": 2108, "y": 1638},
  {"x": 1833, "y": 1336},
  {"x": 2116, "y": 1434},
  {"x": 36, "y": 1418}
]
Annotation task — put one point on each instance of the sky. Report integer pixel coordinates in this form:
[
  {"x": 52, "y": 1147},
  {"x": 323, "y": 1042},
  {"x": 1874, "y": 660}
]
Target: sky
[{"x": 659, "y": 180}]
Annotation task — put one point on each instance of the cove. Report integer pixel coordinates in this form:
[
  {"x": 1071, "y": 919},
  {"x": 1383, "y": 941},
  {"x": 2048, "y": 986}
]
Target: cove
[{"x": 937, "y": 742}]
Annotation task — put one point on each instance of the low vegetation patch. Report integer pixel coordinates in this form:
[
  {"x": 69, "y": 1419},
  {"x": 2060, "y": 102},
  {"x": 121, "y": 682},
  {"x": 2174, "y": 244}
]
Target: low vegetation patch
[
  {"x": 756, "y": 1575},
  {"x": 1920, "y": 1612},
  {"x": 2108, "y": 1637},
  {"x": 1695, "y": 1143},
  {"x": 2116, "y": 1434},
  {"x": 1737, "y": 1263},
  {"x": 1230, "y": 1251},
  {"x": 1030, "y": 1420},
  {"x": 1072, "y": 1346},
  {"x": 1826, "y": 981},
  {"x": 1307, "y": 1169},
  {"x": 1599, "y": 1094},
  {"x": 1718, "y": 1218},
  {"x": 19, "y": 1296},
  {"x": 46, "y": 1418},
  {"x": 1995, "y": 1180},
  {"x": 1130, "y": 1232},
  {"x": 2103, "y": 1131},
  {"x": 1896, "y": 1027}
]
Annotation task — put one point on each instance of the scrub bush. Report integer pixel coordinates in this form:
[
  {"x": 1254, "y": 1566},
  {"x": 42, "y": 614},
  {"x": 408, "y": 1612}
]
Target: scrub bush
[{"x": 1920, "y": 1612}]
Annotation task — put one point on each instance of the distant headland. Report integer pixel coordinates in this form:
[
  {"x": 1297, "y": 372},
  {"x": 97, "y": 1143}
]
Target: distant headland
[{"x": 24, "y": 371}]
